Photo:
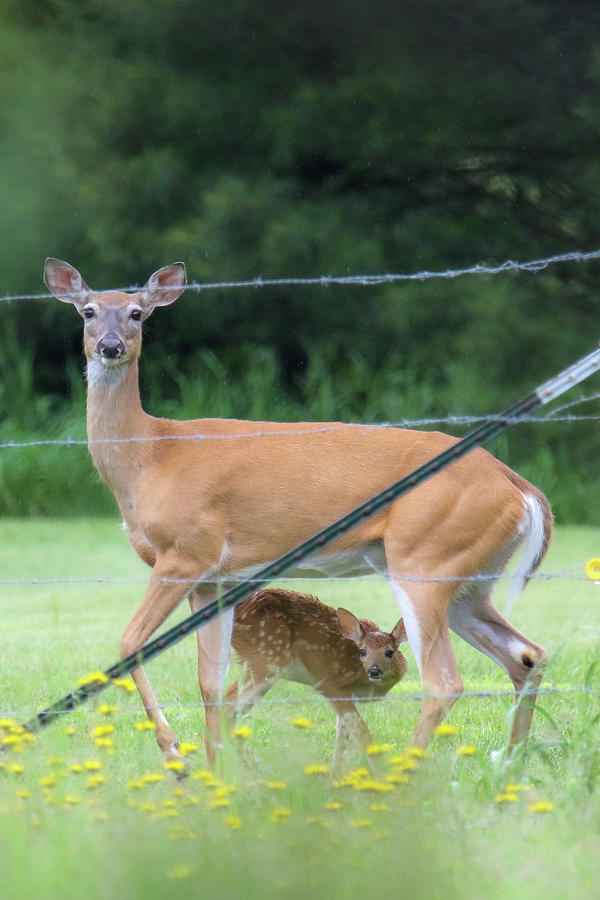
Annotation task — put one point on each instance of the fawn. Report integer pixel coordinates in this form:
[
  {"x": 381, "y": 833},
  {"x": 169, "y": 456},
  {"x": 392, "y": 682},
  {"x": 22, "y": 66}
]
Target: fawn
[{"x": 284, "y": 634}]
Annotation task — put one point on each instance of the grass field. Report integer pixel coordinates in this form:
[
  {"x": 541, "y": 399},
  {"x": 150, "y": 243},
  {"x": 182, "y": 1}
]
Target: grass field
[{"x": 78, "y": 819}]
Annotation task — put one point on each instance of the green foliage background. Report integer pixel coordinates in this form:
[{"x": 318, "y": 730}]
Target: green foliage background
[{"x": 270, "y": 138}]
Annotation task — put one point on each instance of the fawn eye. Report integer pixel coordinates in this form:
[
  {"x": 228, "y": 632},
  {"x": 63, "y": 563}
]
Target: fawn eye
[
  {"x": 88, "y": 312},
  {"x": 362, "y": 652},
  {"x": 389, "y": 653},
  {"x": 136, "y": 314}
]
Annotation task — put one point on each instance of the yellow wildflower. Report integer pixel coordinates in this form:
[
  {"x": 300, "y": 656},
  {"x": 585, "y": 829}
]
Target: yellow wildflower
[
  {"x": 185, "y": 747},
  {"x": 505, "y": 797},
  {"x": 316, "y": 769},
  {"x": 446, "y": 730},
  {"x": 93, "y": 678},
  {"x": 106, "y": 743},
  {"x": 94, "y": 781},
  {"x": 72, "y": 799},
  {"x": 397, "y": 778},
  {"x": 92, "y": 765},
  {"x": 332, "y": 805},
  {"x": 16, "y": 768},
  {"x": 101, "y": 731},
  {"x": 135, "y": 785},
  {"x": 280, "y": 814},
  {"x": 145, "y": 726},
  {"x": 105, "y": 709},
  {"x": 48, "y": 780},
  {"x": 242, "y": 731},
  {"x": 152, "y": 778},
  {"x": 467, "y": 750},
  {"x": 175, "y": 765},
  {"x": 515, "y": 788},
  {"x": 76, "y": 767},
  {"x": 22, "y": 793},
  {"x": 233, "y": 822},
  {"x": 70, "y": 730},
  {"x": 417, "y": 752},
  {"x": 301, "y": 722},
  {"x": 7, "y": 724},
  {"x": 127, "y": 684},
  {"x": 376, "y": 749},
  {"x": 219, "y": 803},
  {"x": 541, "y": 806},
  {"x": 276, "y": 785},
  {"x": 361, "y": 823}
]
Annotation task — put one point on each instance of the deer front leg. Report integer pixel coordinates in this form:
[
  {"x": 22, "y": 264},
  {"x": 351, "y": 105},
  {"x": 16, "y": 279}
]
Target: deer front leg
[
  {"x": 349, "y": 723},
  {"x": 160, "y": 600}
]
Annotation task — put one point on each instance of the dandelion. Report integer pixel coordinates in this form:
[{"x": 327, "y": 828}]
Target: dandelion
[
  {"x": 242, "y": 731},
  {"x": 332, "y": 805},
  {"x": 376, "y": 749},
  {"x": 70, "y": 730},
  {"x": 153, "y": 778},
  {"x": 369, "y": 784},
  {"x": 446, "y": 730},
  {"x": 16, "y": 768},
  {"x": 276, "y": 785},
  {"x": 301, "y": 722},
  {"x": 417, "y": 752},
  {"x": 92, "y": 765},
  {"x": 101, "y": 731},
  {"x": 185, "y": 748},
  {"x": 148, "y": 807},
  {"x": 145, "y": 726},
  {"x": 7, "y": 724},
  {"x": 515, "y": 788},
  {"x": 540, "y": 806},
  {"x": 468, "y": 750},
  {"x": 93, "y": 678},
  {"x": 47, "y": 780},
  {"x": 55, "y": 761},
  {"x": 126, "y": 684},
  {"x": 397, "y": 778},
  {"x": 280, "y": 814},
  {"x": 135, "y": 785},
  {"x": 175, "y": 765},
  {"x": 168, "y": 803},
  {"x": 316, "y": 769},
  {"x": 505, "y": 797},
  {"x": 72, "y": 799},
  {"x": 105, "y": 709},
  {"x": 77, "y": 768},
  {"x": 22, "y": 793},
  {"x": 181, "y": 833},
  {"x": 378, "y": 807},
  {"x": 105, "y": 743},
  {"x": 404, "y": 762},
  {"x": 11, "y": 740},
  {"x": 94, "y": 781},
  {"x": 361, "y": 823},
  {"x": 219, "y": 803},
  {"x": 233, "y": 822}
]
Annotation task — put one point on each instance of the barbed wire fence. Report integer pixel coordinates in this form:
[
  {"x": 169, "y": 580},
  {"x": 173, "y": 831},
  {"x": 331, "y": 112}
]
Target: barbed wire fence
[{"x": 561, "y": 414}]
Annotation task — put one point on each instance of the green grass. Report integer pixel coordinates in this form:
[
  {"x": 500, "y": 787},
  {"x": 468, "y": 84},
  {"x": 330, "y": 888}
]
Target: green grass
[{"x": 440, "y": 835}]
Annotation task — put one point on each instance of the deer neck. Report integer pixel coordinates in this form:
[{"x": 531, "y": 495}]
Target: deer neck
[{"x": 114, "y": 417}]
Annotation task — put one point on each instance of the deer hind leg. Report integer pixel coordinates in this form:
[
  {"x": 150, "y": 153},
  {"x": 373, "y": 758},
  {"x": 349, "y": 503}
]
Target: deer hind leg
[
  {"x": 426, "y": 621},
  {"x": 214, "y": 640},
  {"x": 160, "y": 600},
  {"x": 473, "y": 617}
]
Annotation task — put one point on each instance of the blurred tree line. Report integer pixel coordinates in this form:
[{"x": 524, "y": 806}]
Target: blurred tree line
[{"x": 270, "y": 138}]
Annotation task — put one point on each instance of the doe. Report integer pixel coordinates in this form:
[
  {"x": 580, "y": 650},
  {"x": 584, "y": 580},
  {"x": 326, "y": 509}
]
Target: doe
[
  {"x": 211, "y": 500},
  {"x": 283, "y": 634}
]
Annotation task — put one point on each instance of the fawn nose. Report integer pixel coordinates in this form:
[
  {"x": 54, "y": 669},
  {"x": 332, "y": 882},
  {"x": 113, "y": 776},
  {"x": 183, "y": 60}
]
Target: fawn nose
[
  {"x": 374, "y": 672},
  {"x": 110, "y": 346}
]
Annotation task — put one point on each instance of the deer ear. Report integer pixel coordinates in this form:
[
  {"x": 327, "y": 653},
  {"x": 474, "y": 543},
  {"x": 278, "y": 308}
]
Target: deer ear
[
  {"x": 65, "y": 282},
  {"x": 164, "y": 286},
  {"x": 399, "y": 632},
  {"x": 349, "y": 625}
]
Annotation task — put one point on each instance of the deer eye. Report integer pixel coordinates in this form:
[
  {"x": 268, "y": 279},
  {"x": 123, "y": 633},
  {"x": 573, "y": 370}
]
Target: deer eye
[
  {"x": 88, "y": 312},
  {"x": 136, "y": 314},
  {"x": 389, "y": 653},
  {"x": 362, "y": 652}
]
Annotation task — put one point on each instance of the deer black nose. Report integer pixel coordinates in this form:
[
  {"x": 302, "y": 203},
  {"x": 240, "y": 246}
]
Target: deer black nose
[
  {"x": 374, "y": 672},
  {"x": 111, "y": 346}
]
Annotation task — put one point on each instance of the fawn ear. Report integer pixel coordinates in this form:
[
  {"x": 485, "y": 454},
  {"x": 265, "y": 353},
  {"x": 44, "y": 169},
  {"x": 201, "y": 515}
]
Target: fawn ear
[
  {"x": 349, "y": 625},
  {"x": 399, "y": 632},
  {"x": 164, "y": 286},
  {"x": 65, "y": 282}
]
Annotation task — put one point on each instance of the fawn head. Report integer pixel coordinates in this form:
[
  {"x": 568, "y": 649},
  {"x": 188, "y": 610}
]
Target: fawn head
[
  {"x": 113, "y": 320},
  {"x": 378, "y": 650}
]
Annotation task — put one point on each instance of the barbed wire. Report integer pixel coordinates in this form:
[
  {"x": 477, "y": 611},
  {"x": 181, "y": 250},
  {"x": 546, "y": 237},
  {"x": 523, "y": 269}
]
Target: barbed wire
[
  {"x": 553, "y": 417},
  {"x": 509, "y": 265},
  {"x": 314, "y": 700},
  {"x": 568, "y": 575}
]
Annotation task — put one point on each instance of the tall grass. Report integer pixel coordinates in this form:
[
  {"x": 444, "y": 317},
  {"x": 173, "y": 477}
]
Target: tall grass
[
  {"x": 54, "y": 479},
  {"x": 264, "y": 827}
]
